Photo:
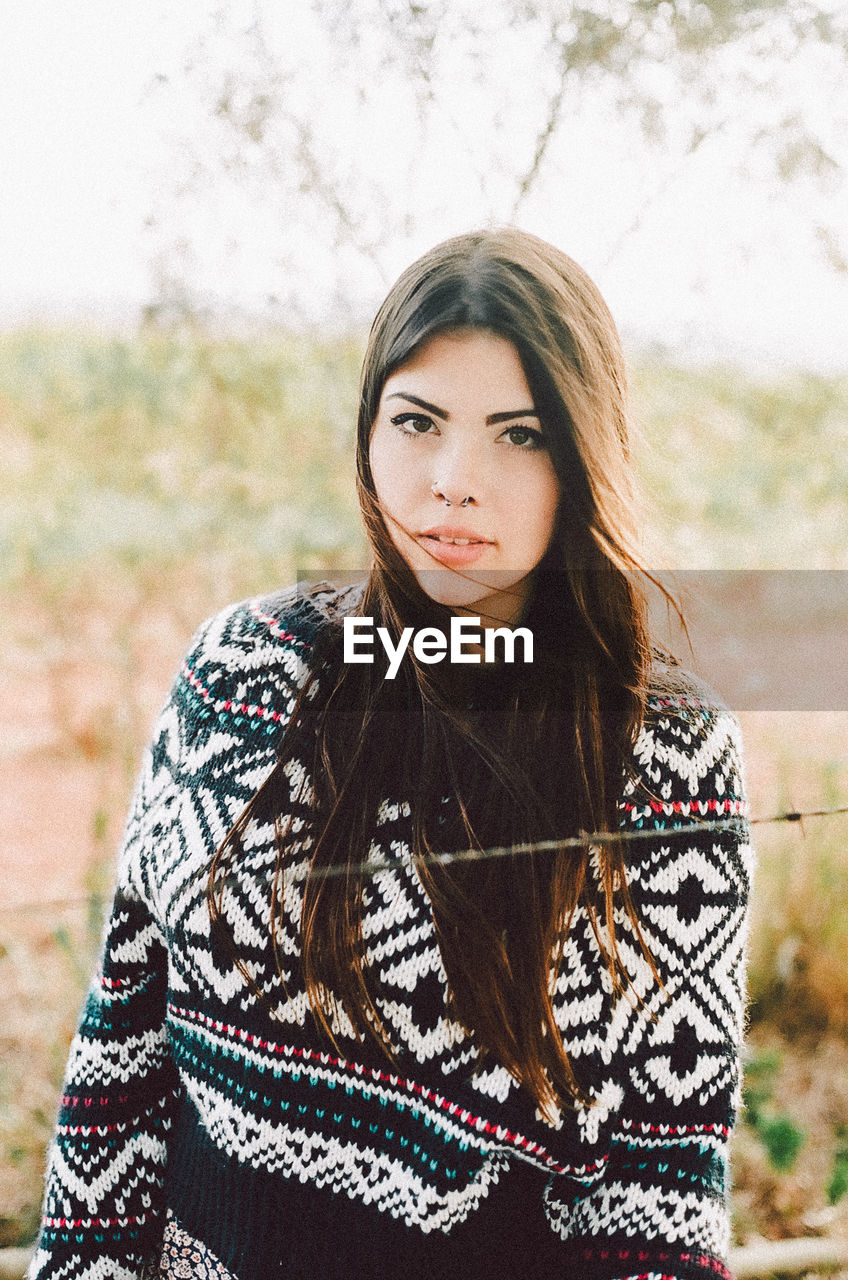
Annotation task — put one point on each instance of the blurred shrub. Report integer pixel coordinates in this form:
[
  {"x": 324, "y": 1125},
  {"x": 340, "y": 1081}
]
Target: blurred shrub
[
  {"x": 171, "y": 447},
  {"x": 783, "y": 1141},
  {"x": 838, "y": 1184},
  {"x": 744, "y": 473},
  {"x": 781, "y": 1137}
]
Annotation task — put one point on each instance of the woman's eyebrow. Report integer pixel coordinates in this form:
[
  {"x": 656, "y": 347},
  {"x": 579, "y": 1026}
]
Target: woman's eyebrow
[
  {"x": 504, "y": 416},
  {"x": 511, "y": 413}
]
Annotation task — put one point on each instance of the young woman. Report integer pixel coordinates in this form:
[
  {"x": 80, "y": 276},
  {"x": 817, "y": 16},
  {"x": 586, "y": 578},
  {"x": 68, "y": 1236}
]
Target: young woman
[{"x": 320, "y": 1044}]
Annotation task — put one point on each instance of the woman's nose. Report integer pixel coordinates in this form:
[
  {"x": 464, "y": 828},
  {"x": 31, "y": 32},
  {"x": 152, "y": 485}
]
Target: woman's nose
[
  {"x": 453, "y": 496},
  {"x": 457, "y": 477}
]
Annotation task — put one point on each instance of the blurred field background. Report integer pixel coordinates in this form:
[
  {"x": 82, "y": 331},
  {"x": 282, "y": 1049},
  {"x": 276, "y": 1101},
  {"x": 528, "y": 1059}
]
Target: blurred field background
[
  {"x": 178, "y": 173},
  {"x": 151, "y": 478}
]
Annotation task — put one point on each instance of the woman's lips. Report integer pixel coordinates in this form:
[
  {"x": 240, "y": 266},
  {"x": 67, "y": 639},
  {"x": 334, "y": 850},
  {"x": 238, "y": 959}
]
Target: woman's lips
[{"x": 451, "y": 552}]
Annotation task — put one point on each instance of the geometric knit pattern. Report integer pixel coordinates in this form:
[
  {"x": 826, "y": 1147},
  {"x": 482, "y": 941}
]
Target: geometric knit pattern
[{"x": 187, "y": 1106}]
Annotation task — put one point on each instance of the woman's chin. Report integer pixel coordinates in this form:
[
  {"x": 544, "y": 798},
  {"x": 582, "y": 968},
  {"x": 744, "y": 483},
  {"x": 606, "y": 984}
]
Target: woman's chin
[{"x": 502, "y": 598}]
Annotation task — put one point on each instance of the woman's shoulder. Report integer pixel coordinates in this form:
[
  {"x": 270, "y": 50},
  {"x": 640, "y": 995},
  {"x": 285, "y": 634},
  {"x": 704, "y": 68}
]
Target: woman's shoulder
[
  {"x": 264, "y": 628},
  {"x": 673, "y": 687},
  {"x": 680, "y": 702},
  {"x": 251, "y": 655},
  {"x": 687, "y": 756}
]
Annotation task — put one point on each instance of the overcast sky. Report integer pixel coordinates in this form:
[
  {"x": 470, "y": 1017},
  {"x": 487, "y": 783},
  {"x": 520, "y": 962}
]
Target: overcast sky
[{"x": 687, "y": 254}]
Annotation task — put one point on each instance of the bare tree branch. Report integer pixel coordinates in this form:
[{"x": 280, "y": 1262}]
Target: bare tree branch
[{"x": 546, "y": 134}]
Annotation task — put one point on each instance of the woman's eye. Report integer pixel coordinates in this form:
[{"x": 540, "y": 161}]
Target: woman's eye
[
  {"x": 412, "y": 424},
  {"x": 525, "y": 437}
]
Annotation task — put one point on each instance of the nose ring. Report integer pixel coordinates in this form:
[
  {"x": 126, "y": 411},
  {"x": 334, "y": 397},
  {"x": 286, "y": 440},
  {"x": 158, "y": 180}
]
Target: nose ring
[{"x": 436, "y": 493}]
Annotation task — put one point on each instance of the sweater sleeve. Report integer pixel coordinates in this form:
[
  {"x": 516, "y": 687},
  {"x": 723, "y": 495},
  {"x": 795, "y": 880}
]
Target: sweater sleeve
[
  {"x": 668, "y": 1057},
  {"x": 102, "y": 1206}
]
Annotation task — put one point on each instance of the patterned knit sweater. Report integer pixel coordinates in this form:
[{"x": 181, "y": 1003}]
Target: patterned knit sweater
[{"x": 194, "y": 1126}]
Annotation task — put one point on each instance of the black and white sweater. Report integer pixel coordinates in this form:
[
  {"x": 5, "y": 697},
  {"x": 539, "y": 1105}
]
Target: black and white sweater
[{"x": 197, "y": 1133}]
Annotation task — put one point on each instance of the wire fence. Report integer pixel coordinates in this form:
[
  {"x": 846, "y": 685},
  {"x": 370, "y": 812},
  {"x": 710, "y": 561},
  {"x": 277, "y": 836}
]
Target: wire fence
[{"x": 377, "y": 866}]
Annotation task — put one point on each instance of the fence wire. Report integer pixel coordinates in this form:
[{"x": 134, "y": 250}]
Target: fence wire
[{"x": 377, "y": 866}]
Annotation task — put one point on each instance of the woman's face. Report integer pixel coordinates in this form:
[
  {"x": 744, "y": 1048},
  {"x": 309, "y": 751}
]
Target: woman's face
[{"x": 463, "y": 474}]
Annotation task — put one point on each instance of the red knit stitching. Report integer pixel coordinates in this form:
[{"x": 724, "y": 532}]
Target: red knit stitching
[
  {"x": 271, "y": 622},
  {"x": 703, "y": 1260},
  {"x": 687, "y": 806},
  {"x": 243, "y": 708},
  {"x": 75, "y": 1099},
  {"x": 676, "y": 1128},
  {"x": 95, "y": 1222}
]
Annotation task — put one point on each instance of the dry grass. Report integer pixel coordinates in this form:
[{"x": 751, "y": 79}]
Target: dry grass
[{"x": 798, "y": 978}]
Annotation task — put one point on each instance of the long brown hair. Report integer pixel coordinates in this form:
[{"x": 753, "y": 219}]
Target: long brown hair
[{"x": 539, "y": 757}]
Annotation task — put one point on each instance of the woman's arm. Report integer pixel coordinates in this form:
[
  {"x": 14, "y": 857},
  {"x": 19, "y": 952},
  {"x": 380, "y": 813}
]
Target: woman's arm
[
  {"x": 102, "y": 1211},
  {"x": 671, "y": 1065},
  {"x": 213, "y": 743}
]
